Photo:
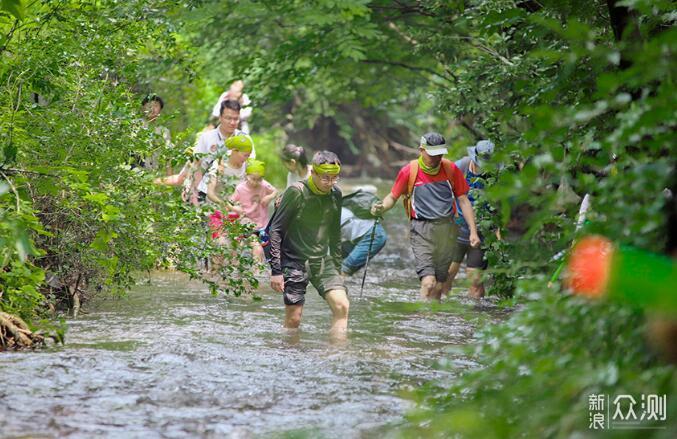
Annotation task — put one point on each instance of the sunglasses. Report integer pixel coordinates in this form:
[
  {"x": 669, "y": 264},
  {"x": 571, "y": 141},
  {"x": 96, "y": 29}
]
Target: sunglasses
[{"x": 329, "y": 178}]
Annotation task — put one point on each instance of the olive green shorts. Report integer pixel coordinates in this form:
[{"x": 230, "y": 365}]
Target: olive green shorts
[
  {"x": 321, "y": 273},
  {"x": 433, "y": 244}
]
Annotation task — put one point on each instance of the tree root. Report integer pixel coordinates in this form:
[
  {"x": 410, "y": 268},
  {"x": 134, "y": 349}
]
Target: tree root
[{"x": 15, "y": 334}]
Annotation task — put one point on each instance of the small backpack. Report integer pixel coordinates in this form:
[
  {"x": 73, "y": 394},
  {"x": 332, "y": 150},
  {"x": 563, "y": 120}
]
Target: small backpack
[
  {"x": 413, "y": 172},
  {"x": 359, "y": 203}
]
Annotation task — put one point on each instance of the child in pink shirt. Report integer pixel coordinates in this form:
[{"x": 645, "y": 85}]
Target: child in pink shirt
[{"x": 253, "y": 195}]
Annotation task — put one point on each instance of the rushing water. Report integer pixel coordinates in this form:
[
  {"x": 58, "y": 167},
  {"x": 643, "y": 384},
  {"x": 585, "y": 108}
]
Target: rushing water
[{"x": 170, "y": 360}]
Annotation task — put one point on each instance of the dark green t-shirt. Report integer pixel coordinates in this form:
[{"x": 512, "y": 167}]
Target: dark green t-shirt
[{"x": 305, "y": 226}]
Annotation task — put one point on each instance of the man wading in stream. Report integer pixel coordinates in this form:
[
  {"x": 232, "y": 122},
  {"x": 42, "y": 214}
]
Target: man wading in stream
[
  {"x": 470, "y": 166},
  {"x": 305, "y": 243},
  {"x": 430, "y": 186}
]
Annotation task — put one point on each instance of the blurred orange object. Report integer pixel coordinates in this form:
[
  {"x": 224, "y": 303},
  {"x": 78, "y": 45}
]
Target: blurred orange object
[{"x": 590, "y": 266}]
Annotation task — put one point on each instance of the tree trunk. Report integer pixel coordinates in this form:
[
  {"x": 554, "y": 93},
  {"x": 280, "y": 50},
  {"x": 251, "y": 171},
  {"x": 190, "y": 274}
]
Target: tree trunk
[{"x": 620, "y": 17}]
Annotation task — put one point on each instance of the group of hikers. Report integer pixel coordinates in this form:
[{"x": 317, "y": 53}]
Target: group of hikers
[{"x": 316, "y": 234}]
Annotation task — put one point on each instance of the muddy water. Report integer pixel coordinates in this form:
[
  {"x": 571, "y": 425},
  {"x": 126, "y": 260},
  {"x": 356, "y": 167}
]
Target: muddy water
[{"x": 172, "y": 361}]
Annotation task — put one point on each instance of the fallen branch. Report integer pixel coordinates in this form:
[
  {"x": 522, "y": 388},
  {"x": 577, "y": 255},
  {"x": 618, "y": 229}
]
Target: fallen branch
[{"x": 15, "y": 333}]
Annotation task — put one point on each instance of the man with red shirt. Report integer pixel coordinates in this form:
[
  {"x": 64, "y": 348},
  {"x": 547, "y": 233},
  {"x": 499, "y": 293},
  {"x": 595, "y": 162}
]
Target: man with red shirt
[{"x": 429, "y": 200}]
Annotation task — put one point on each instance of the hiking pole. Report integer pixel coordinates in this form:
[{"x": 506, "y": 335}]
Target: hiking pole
[{"x": 371, "y": 242}]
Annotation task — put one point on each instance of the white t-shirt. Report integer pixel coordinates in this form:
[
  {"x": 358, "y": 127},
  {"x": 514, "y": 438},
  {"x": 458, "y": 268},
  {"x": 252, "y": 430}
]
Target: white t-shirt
[
  {"x": 229, "y": 176},
  {"x": 352, "y": 227},
  {"x": 210, "y": 145},
  {"x": 293, "y": 177}
]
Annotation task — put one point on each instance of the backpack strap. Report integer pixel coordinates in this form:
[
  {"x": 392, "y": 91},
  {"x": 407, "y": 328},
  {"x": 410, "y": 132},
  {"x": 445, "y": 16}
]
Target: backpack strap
[
  {"x": 301, "y": 187},
  {"x": 338, "y": 199},
  {"x": 305, "y": 191},
  {"x": 448, "y": 171},
  {"x": 406, "y": 200},
  {"x": 413, "y": 172}
]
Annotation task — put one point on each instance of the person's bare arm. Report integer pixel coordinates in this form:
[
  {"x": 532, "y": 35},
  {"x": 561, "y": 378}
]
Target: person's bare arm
[
  {"x": 211, "y": 192},
  {"x": 170, "y": 180},
  {"x": 381, "y": 207},
  {"x": 226, "y": 205},
  {"x": 469, "y": 216},
  {"x": 269, "y": 198},
  {"x": 234, "y": 206},
  {"x": 214, "y": 197},
  {"x": 173, "y": 180},
  {"x": 197, "y": 176}
]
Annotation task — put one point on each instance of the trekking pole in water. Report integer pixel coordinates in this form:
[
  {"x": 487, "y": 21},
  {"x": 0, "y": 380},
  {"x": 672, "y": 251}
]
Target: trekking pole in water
[{"x": 371, "y": 242}]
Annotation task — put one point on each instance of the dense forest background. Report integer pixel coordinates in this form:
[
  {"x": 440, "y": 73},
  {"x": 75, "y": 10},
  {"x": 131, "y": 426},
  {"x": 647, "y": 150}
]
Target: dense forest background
[{"x": 577, "y": 95}]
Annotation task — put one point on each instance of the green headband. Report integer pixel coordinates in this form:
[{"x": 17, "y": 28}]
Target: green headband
[
  {"x": 240, "y": 142},
  {"x": 327, "y": 168},
  {"x": 256, "y": 167}
]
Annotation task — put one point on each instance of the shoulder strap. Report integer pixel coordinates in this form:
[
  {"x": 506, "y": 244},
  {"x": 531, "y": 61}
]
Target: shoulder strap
[
  {"x": 338, "y": 198},
  {"x": 298, "y": 185},
  {"x": 448, "y": 171},
  {"x": 413, "y": 171},
  {"x": 302, "y": 186},
  {"x": 338, "y": 202},
  {"x": 406, "y": 200}
]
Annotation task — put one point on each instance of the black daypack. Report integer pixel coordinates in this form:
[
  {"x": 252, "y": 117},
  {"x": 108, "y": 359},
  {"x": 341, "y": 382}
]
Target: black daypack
[{"x": 359, "y": 203}]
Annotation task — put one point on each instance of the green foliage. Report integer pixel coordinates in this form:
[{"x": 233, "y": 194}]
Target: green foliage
[
  {"x": 14, "y": 7},
  {"x": 19, "y": 278},
  {"x": 577, "y": 100},
  {"x": 268, "y": 147},
  {"x": 70, "y": 132},
  {"x": 304, "y": 61},
  {"x": 539, "y": 372}
]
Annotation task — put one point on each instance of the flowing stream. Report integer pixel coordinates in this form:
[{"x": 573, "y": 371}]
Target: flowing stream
[{"x": 169, "y": 360}]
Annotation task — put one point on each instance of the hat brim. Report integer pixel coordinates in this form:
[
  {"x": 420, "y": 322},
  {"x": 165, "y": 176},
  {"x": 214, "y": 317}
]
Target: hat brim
[
  {"x": 434, "y": 151},
  {"x": 473, "y": 155}
]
